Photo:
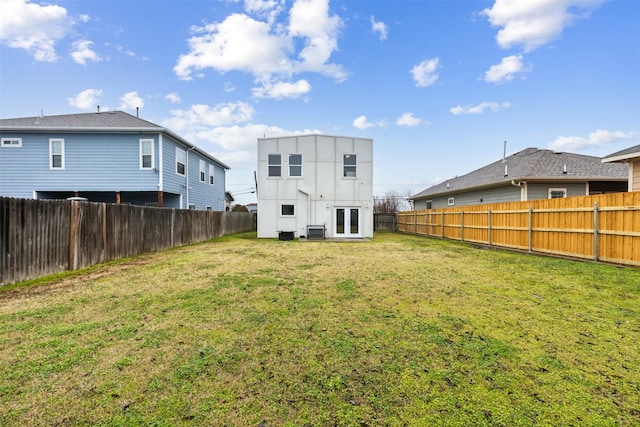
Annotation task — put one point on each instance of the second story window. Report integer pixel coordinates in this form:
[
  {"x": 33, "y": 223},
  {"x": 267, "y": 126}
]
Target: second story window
[
  {"x": 181, "y": 161},
  {"x": 56, "y": 154},
  {"x": 212, "y": 175},
  {"x": 275, "y": 165},
  {"x": 202, "y": 171},
  {"x": 146, "y": 153},
  {"x": 295, "y": 164},
  {"x": 349, "y": 164}
]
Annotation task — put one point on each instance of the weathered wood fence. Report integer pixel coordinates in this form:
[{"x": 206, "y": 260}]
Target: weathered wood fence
[
  {"x": 601, "y": 228},
  {"x": 40, "y": 237},
  {"x": 384, "y": 221}
]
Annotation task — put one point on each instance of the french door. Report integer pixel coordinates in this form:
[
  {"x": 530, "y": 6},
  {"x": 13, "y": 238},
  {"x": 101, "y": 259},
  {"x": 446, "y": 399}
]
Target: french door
[{"x": 347, "y": 222}]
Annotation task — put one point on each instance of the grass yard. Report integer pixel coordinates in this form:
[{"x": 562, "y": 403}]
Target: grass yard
[{"x": 399, "y": 331}]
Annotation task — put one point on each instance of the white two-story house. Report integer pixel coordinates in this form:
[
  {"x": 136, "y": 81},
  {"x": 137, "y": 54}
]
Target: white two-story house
[{"x": 315, "y": 186}]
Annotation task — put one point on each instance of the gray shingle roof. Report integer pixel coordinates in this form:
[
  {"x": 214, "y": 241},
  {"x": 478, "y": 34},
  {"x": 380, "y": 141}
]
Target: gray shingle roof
[
  {"x": 531, "y": 164},
  {"x": 107, "y": 119},
  {"x": 627, "y": 153}
]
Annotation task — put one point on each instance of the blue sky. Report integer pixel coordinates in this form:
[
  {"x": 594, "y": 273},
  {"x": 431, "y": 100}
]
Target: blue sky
[{"x": 438, "y": 85}]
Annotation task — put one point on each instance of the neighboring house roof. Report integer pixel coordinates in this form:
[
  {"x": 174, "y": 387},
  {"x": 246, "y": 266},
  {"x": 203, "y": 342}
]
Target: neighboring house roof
[
  {"x": 108, "y": 121},
  {"x": 532, "y": 165},
  {"x": 623, "y": 155}
]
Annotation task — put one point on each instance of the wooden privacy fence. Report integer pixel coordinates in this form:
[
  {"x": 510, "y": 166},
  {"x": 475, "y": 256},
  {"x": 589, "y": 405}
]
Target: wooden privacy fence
[
  {"x": 40, "y": 237},
  {"x": 384, "y": 221},
  {"x": 601, "y": 228}
]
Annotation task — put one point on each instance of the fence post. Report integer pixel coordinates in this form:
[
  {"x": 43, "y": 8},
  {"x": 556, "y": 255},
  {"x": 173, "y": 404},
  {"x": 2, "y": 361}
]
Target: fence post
[
  {"x": 73, "y": 236},
  {"x": 415, "y": 222},
  {"x": 442, "y": 224},
  {"x": 489, "y": 226},
  {"x": 462, "y": 226},
  {"x": 530, "y": 229},
  {"x": 595, "y": 231}
]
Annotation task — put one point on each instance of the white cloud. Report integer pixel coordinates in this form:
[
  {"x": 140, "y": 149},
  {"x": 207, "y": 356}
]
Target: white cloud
[
  {"x": 598, "y": 138},
  {"x": 280, "y": 90},
  {"x": 203, "y": 117},
  {"x": 508, "y": 68},
  {"x": 237, "y": 43},
  {"x": 408, "y": 119},
  {"x": 479, "y": 109},
  {"x": 310, "y": 20},
  {"x": 33, "y": 27},
  {"x": 362, "y": 123},
  {"x": 174, "y": 98},
  {"x": 533, "y": 23},
  {"x": 425, "y": 73},
  {"x": 131, "y": 101},
  {"x": 81, "y": 52},
  {"x": 266, "y": 49},
  {"x": 86, "y": 100},
  {"x": 379, "y": 27}
]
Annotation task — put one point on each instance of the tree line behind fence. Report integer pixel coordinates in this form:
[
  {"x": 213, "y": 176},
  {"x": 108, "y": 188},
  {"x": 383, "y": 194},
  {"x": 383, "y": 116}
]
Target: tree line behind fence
[
  {"x": 40, "y": 237},
  {"x": 602, "y": 227}
]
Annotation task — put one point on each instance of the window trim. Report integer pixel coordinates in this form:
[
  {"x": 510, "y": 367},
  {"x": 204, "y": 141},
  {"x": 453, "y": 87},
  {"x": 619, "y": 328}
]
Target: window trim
[
  {"x": 152, "y": 154},
  {"x": 181, "y": 153},
  {"x": 212, "y": 175},
  {"x": 8, "y": 143},
  {"x": 345, "y": 166},
  {"x": 295, "y": 165},
  {"x": 451, "y": 201},
  {"x": 550, "y": 190},
  {"x": 202, "y": 166},
  {"x": 269, "y": 165},
  {"x": 51, "y": 154}
]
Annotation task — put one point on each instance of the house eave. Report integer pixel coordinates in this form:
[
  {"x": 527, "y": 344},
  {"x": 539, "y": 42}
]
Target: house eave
[
  {"x": 622, "y": 158},
  {"x": 510, "y": 181}
]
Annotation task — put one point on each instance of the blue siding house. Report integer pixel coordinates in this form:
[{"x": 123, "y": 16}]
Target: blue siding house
[{"x": 110, "y": 157}]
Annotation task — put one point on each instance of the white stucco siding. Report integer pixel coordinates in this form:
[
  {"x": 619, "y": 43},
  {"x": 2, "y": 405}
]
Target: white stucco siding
[{"x": 321, "y": 188}]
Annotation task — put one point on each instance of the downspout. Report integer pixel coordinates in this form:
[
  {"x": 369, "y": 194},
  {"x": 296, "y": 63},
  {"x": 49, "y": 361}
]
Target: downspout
[
  {"x": 308, "y": 205},
  {"x": 160, "y": 168},
  {"x": 523, "y": 188},
  {"x": 186, "y": 171}
]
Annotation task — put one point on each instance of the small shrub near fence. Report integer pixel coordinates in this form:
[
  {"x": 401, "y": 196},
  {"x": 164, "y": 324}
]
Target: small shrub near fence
[
  {"x": 601, "y": 228},
  {"x": 40, "y": 237}
]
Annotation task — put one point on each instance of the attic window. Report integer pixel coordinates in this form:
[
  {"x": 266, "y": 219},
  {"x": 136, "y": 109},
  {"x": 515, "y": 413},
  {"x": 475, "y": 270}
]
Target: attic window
[{"x": 12, "y": 142}]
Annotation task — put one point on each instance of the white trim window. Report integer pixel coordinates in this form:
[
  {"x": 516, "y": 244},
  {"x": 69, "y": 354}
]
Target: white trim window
[
  {"x": 11, "y": 142},
  {"x": 295, "y": 165},
  {"x": 212, "y": 175},
  {"x": 557, "y": 193},
  {"x": 202, "y": 171},
  {"x": 56, "y": 153},
  {"x": 451, "y": 201},
  {"x": 287, "y": 210},
  {"x": 274, "y": 163},
  {"x": 350, "y": 165},
  {"x": 181, "y": 162},
  {"x": 146, "y": 154}
]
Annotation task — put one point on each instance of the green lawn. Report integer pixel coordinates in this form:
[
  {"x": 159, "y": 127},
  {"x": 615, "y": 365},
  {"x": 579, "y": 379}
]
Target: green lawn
[{"x": 398, "y": 331}]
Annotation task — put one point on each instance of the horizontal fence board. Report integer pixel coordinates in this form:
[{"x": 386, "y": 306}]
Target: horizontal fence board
[
  {"x": 600, "y": 227},
  {"x": 41, "y": 237}
]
